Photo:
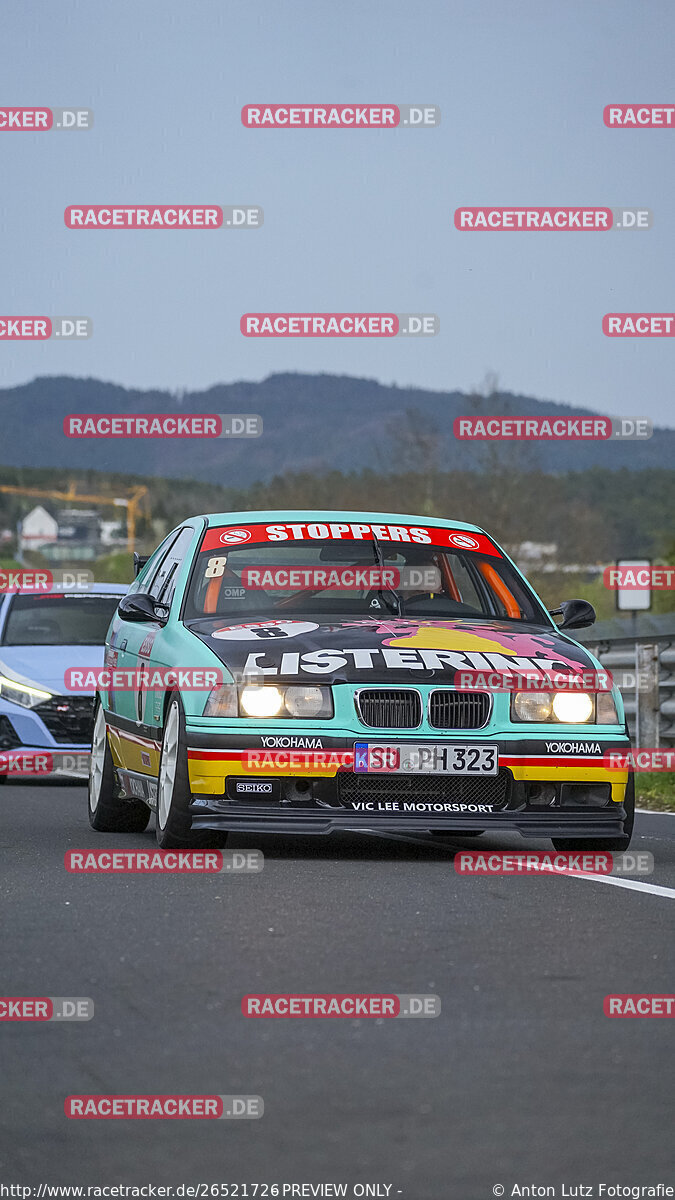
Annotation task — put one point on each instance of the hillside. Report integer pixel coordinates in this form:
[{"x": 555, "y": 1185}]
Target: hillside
[{"x": 313, "y": 423}]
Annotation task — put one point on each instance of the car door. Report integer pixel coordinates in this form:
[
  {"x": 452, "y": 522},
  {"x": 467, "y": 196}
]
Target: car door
[
  {"x": 126, "y": 641},
  {"x": 156, "y": 650}
]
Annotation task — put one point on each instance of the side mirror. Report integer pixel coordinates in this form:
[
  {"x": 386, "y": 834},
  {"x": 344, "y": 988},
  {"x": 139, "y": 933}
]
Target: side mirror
[
  {"x": 139, "y": 562},
  {"x": 139, "y": 606},
  {"x": 576, "y": 614}
]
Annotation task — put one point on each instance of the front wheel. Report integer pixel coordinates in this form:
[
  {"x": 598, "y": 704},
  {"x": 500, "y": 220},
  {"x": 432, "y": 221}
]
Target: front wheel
[
  {"x": 107, "y": 811},
  {"x": 610, "y": 844},
  {"x": 173, "y": 823}
]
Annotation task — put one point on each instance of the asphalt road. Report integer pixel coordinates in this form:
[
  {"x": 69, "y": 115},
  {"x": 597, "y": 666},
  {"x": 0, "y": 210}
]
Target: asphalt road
[{"x": 521, "y": 1079}]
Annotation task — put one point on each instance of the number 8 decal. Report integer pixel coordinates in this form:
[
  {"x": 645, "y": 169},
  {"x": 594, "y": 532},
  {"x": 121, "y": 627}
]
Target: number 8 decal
[{"x": 215, "y": 567}]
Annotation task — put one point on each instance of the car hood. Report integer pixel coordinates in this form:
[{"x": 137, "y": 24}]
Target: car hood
[
  {"x": 370, "y": 650},
  {"x": 45, "y": 666}
]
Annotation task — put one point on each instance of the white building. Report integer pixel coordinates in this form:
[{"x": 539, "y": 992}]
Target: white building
[{"x": 37, "y": 529}]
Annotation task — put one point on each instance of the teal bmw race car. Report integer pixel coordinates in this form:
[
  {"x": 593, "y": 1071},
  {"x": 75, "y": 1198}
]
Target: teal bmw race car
[{"x": 318, "y": 671}]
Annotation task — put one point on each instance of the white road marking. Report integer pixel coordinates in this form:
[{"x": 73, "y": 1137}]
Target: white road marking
[{"x": 634, "y": 885}]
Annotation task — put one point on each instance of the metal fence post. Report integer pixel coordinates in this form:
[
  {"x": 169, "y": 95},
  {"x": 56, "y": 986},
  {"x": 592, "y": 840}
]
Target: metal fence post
[{"x": 647, "y": 725}]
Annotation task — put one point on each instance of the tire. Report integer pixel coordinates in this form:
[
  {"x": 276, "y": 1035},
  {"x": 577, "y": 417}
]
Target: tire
[
  {"x": 108, "y": 813},
  {"x": 173, "y": 823},
  {"x": 614, "y": 843}
]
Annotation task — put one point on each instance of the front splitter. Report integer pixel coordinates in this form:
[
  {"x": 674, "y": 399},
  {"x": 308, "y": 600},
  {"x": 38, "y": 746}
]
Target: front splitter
[{"x": 600, "y": 823}]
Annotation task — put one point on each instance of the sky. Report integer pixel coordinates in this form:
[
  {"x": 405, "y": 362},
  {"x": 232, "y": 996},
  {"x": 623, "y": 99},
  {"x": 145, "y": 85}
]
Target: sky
[{"x": 355, "y": 220}]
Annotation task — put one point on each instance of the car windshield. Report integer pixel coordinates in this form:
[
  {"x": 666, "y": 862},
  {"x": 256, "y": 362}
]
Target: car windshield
[
  {"x": 357, "y": 578},
  {"x": 59, "y": 619}
]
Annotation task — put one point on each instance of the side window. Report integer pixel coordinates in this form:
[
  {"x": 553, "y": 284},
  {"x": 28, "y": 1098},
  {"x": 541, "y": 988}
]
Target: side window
[
  {"x": 465, "y": 585},
  {"x": 164, "y": 583},
  {"x": 143, "y": 580}
]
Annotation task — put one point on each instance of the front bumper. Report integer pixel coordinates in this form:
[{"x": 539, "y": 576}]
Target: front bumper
[
  {"x": 546, "y": 787},
  {"x": 56, "y": 736}
]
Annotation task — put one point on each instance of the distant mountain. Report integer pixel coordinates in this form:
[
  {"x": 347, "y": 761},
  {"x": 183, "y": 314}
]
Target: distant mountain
[{"x": 311, "y": 422}]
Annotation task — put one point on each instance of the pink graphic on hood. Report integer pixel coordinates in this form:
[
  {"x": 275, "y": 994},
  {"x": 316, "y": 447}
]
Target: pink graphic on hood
[
  {"x": 484, "y": 638},
  {"x": 463, "y": 635}
]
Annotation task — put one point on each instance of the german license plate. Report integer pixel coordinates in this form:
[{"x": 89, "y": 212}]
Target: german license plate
[{"x": 383, "y": 758}]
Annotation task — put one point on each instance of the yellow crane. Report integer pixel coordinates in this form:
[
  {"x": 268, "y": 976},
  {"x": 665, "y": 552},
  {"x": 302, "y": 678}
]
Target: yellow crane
[{"x": 131, "y": 502}]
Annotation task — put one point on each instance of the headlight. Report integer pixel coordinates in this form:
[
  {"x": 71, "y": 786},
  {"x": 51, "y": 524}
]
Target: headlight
[
  {"x": 573, "y": 707},
  {"x": 266, "y": 701},
  {"x": 308, "y": 702},
  {"x": 569, "y": 708},
  {"x": 20, "y": 693},
  {"x": 606, "y": 709},
  {"x": 222, "y": 702},
  {"x": 532, "y": 706}
]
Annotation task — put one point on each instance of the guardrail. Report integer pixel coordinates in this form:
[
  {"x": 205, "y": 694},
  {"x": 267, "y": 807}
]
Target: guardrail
[{"x": 644, "y": 670}]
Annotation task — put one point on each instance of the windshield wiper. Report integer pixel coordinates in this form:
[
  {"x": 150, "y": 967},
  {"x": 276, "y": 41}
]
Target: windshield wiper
[{"x": 398, "y": 599}]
